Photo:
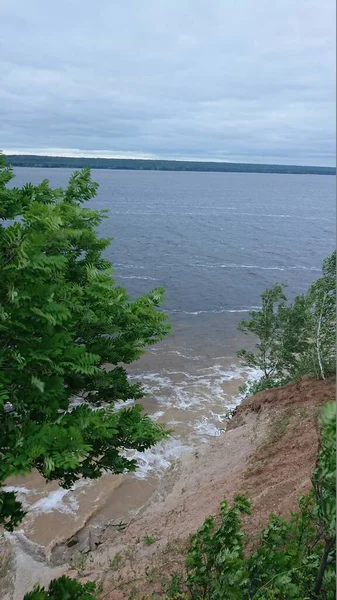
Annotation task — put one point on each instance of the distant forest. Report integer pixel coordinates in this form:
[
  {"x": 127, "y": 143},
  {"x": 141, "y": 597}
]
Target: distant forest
[{"x": 26, "y": 160}]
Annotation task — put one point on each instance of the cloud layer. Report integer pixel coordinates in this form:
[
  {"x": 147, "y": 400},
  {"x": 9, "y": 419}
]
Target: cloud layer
[{"x": 242, "y": 80}]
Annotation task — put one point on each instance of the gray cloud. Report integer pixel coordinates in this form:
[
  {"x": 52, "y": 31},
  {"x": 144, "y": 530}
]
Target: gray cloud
[{"x": 218, "y": 80}]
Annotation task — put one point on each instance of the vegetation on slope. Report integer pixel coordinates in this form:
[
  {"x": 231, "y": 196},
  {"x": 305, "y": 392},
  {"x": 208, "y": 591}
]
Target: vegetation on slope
[{"x": 294, "y": 339}]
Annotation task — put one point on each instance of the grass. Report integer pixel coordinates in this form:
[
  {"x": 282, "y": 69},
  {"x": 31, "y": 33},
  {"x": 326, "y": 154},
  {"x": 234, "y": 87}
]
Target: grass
[
  {"x": 116, "y": 561},
  {"x": 149, "y": 540},
  {"x": 278, "y": 428}
]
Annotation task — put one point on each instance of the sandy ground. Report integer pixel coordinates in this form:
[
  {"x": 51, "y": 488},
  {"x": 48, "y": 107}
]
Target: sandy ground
[{"x": 267, "y": 452}]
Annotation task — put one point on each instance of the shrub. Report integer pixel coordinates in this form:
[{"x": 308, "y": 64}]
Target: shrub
[{"x": 64, "y": 588}]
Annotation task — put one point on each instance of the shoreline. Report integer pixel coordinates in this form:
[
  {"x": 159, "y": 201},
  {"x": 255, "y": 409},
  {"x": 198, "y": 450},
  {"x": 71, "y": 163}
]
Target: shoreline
[
  {"x": 267, "y": 453},
  {"x": 257, "y": 455}
]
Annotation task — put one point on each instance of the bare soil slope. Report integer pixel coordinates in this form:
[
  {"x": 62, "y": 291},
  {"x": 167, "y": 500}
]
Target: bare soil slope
[{"x": 268, "y": 453}]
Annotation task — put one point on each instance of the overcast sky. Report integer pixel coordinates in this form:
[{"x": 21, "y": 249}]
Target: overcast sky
[{"x": 234, "y": 80}]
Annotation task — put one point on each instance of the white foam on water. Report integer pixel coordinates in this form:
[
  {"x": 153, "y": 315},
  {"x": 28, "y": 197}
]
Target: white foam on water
[
  {"x": 215, "y": 312},
  {"x": 178, "y": 389},
  {"x": 282, "y": 216},
  {"x": 123, "y": 404},
  {"x": 174, "y": 422},
  {"x": 193, "y": 392},
  {"x": 156, "y": 460},
  {"x": 306, "y": 268},
  {"x": 205, "y": 427},
  {"x": 259, "y": 267},
  {"x": 197, "y": 265},
  {"x": 128, "y": 266},
  {"x": 157, "y": 415},
  {"x": 61, "y": 500},
  {"x": 219, "y": 417},
  {"x": 137, "y": 277},
  {"x": 185, "y": 355},
  {"x": 244, "y": 310},
  {"x": 254, "y": 375},
  {"x": 21, "y": 493}
]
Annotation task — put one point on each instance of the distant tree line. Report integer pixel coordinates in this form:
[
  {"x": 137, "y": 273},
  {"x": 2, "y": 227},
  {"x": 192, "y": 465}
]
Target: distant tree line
[{"x": 26, "y": 160}]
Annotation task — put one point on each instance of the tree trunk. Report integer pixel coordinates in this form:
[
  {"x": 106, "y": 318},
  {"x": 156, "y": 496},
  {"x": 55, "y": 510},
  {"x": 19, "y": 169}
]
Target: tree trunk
[
  {"x": 319, "y": 579},
  {"x": 318, "y": 346}
]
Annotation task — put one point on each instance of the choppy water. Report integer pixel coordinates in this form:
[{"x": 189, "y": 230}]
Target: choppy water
[{"x": 214, "y": 241}]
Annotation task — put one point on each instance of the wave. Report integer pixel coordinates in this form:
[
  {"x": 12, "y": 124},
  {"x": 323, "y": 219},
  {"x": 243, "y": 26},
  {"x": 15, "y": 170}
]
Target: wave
[
  {"x": 60, "y": 499},
  {"x": 137, "y": 277},
  {"x": 215, "y": 213},
  {"x": 212, "y": 266},
  {"x": 261, "y": 267},
  {"x": 193, "y": 393},
  {"x": 281, "y": 216},
  {"x": 128, "y": 266},
  {"x": 185, "y": 391},
  {"x": 157, "y": 415},
  {"x": 205, "y": 427},
  {"x": 182, "y": 355},
  {"x": 156, "y": 460},
  {"x": 215, "y": 311}
]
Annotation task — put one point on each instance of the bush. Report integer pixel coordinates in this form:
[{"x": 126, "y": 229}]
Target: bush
[
  {"x": 253, "y": 386},
  {"x": 64, "y": 588}
]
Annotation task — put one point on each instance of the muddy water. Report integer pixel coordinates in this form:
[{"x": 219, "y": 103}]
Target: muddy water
[{"x": 190, "y": 391}]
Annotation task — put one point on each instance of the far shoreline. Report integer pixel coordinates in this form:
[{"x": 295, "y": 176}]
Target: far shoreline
[{"x": 130, "y": 164}]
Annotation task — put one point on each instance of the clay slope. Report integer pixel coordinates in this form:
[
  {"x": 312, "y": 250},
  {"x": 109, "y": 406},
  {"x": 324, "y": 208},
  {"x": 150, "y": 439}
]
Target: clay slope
[{"x": 267, "y": 453}]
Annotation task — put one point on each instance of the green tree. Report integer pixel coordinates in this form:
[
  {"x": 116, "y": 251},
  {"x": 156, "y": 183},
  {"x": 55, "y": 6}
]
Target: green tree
[
  {"x": 295, "y": 338},
  {"x": 280, "y": 331},
  {"x": 321, "y": 321},
  {"x": 265, "y": 324},
  {"x": 62, "y": 321}
]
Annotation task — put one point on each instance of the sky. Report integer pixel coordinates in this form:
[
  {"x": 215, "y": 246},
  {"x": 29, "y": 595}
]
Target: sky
[{"x": 225, "y": 80}]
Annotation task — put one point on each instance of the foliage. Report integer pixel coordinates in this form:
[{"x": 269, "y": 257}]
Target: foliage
[
  {"x": 62, "y": 319},
  {"x": 215, "y": 559},
  {"x": 324, "y": 479},
  {"x": 174, "y": 587},
  {"x": 321, "y": 321},
  {"x": 294, "y": 339},
  {"x": 64, "y": 588},
  {"x": 254, "y": 386},
  {"x": 324, "y": 482}
]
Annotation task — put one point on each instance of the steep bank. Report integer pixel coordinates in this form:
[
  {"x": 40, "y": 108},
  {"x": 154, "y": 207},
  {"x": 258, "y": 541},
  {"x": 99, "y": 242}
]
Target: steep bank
[{"x": 267, "y": 453}]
